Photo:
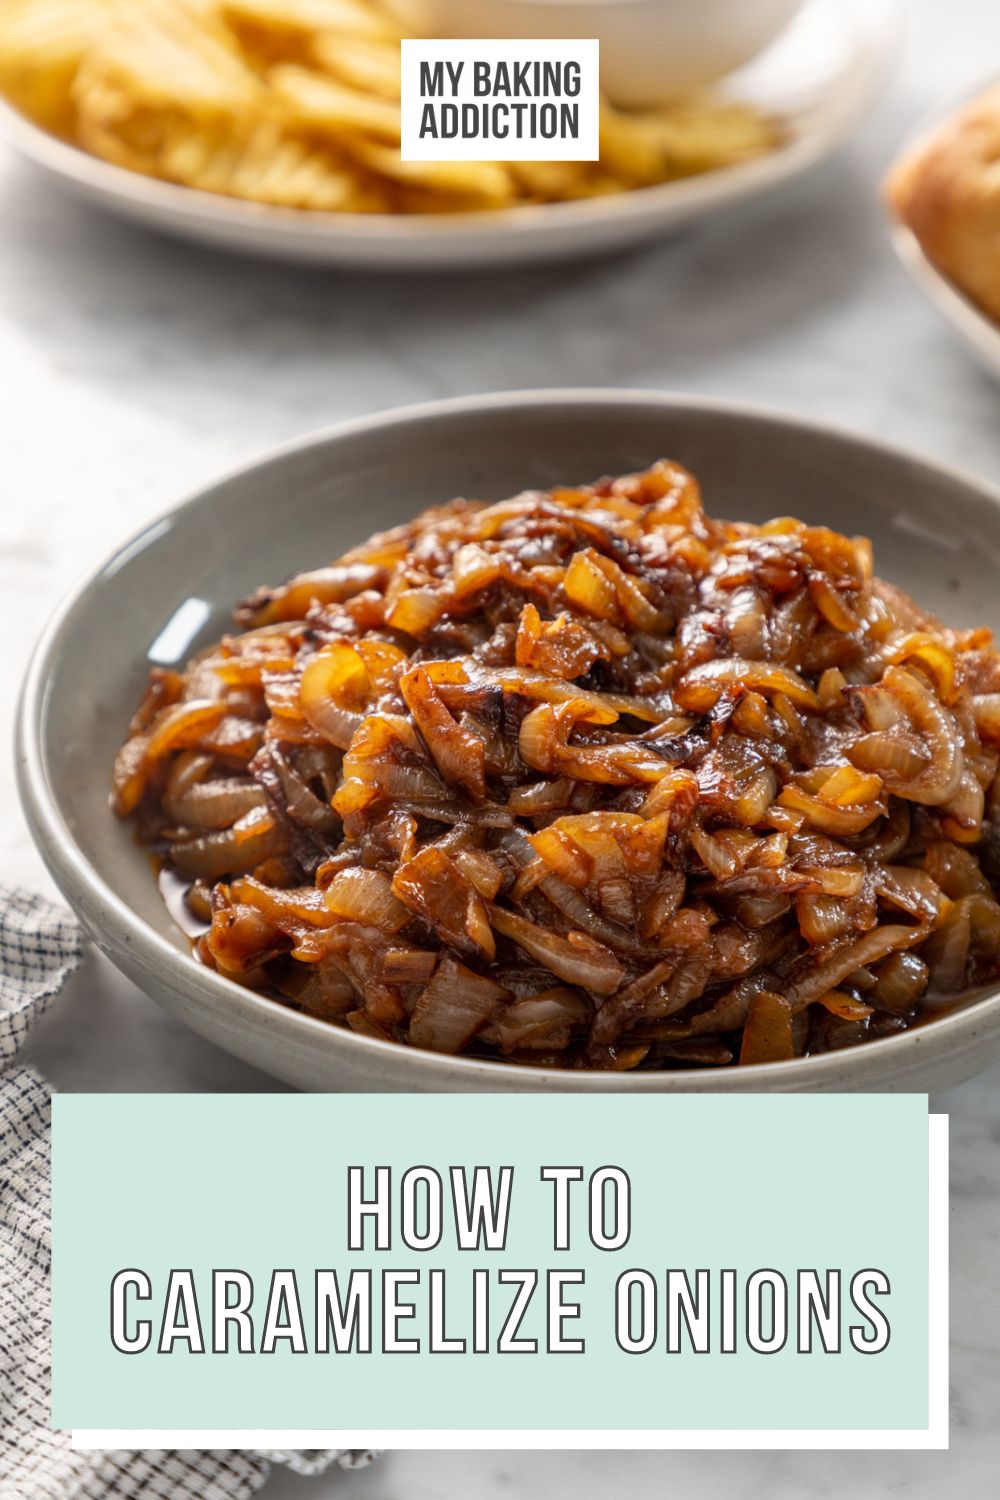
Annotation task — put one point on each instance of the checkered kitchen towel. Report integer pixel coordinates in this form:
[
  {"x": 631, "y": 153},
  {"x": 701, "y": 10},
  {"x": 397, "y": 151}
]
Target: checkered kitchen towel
[{"x": 39, "y": 946}]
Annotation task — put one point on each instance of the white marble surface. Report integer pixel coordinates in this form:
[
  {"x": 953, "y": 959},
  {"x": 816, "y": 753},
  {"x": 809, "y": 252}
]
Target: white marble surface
[{"x": 132, "y": 369}]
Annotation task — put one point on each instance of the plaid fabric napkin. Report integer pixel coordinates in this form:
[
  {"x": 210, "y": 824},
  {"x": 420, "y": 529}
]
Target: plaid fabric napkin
[{"x": 39, "y": 946}]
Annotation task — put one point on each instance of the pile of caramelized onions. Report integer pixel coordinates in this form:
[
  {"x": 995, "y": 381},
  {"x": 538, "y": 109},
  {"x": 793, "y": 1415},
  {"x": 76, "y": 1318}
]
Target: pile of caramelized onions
[{"x": 585, "y": 779}]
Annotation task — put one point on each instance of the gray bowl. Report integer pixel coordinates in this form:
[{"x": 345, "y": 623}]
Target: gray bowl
[{"x": 169, "y": 590}]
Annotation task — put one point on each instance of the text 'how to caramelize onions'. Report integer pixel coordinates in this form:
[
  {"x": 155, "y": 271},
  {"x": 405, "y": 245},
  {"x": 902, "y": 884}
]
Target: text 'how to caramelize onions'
[{"x": 586, "y": 779}]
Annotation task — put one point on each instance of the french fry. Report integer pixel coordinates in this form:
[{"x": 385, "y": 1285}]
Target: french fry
[
  {"x": 359, "y": 19},
  {"x": 172, "y": 54},
  {"x": 549, "y": 181},
  {"x": 324, "y": 105},
  {"x": 370, "y": 66},
  {"x": 41, "y": 47},
  {"x": 487, "y": 183}
]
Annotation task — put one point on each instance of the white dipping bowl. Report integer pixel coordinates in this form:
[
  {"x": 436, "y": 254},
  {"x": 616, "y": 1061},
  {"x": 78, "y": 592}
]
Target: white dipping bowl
[{"x": 651, "y": 50}]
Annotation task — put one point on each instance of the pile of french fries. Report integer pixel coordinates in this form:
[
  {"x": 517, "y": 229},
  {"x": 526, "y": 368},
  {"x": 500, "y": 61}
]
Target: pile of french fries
[{"x": 295, "y": 103}]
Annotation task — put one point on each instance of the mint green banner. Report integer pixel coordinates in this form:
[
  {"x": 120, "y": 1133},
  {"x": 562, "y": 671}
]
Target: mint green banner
[{"x": 705, "y": 1263}]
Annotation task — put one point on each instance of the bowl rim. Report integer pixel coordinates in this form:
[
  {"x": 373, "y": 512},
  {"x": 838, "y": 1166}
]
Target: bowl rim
[
  {"x": 80, "y": 168},
  {"x": 90, "y": 895},
  {"x": 792, "y": 5},
  {"x": 973, "y": 323}
]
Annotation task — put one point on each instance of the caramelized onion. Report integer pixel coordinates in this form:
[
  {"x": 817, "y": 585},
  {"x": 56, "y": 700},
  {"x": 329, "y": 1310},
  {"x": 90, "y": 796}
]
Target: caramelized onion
[
  {"x": 986, "y": 707},
  {"x": 932, "y": 721},
  {"x": 767, "y": 1033},
  {"x": 846, "y": 958},
  {"x": 366, "y": 896},
  {"x": 575, "y": 958},
  {"x": 453, "y": 1007},
  {"x": 228, "y": 852},
  {"x": 549, "y": 1019},
  {"x": 459, "y": 754},
  {"x": 700, "y": 688},
  {"x": 899, "y": 982},
  {"x": 191, "y": 801},
  {"x": 335, "y": 674}
]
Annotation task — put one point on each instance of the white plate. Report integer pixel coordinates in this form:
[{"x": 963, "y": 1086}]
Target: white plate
[{"x": 819, "y": 77}]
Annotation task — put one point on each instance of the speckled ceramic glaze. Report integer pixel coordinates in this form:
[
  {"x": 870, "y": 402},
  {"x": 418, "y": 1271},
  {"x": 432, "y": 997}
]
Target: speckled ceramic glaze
[{"x": 169, "y": 591}]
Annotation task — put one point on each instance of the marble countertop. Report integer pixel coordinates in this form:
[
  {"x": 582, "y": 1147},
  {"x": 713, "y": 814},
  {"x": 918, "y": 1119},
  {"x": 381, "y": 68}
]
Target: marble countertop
[{"x": 134, "y": 369}]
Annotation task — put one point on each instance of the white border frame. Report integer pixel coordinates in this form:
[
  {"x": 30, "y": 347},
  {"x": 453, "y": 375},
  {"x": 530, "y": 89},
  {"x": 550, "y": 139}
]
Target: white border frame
[{"x": 934, "y": 1436}]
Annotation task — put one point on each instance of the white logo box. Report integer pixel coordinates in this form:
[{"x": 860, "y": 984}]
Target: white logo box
[{"x": 500, "y": 100}]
